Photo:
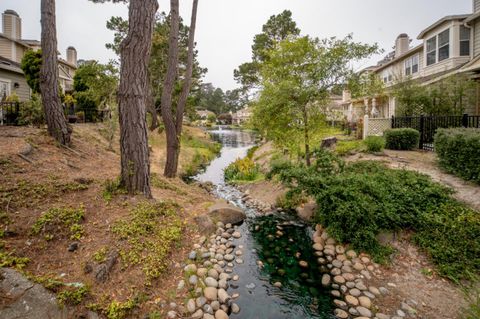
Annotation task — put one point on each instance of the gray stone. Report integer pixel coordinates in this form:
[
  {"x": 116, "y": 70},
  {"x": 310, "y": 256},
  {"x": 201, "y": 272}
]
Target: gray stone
[
  {"x": 171, "y": 314},
  {"x": 200, "y": 301},
  {"x": 355, "y": 292},
  {"x": 326, "y": 280},
  {"x": 211, "y": 282},
  {"x": 191, "y": 268},
  {"x": 223, "y": 296},
  {"x": 229, "y": 257},
  {"x": 197, "y": 314},
  {"x": 208, "y": 309},
  {"x": 193, "y": 280},
  {"x": 382, "y": 316},
  {"x": 364, "y": 312},
  {"x": 235, "y": 308},
  {"x": 220, "y": 314},
  {"x": 341, "y": 314},
  {"x": 181, "y": 285},
  {"x": 192, "y": 255},
  {"x": 401, "y": 313},
  {"x": 205, "y": 224},
  {"x": 211, "y": 293},
  {"x": 191, "y": 306},
  {"x": 215, "y": 305},
  {"x": 226, "y": 213}
]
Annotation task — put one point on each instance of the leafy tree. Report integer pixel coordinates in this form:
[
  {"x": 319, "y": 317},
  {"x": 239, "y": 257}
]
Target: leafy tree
[
  {"x": 366, "y": 84},
  {"x": 297, "y": 78},
  {"x": 95, "y": 86},
  {"x": 56, "y": 121},
  {"x": 278, "y": 28},
  {"x": 31, "y": 65},
  {"x": 449, "y": 96}
]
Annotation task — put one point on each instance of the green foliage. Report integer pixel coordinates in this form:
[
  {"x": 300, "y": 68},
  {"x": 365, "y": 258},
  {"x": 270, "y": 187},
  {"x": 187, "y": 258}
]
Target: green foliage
[
  {"x": 448, "y": 234},
  {"x": 73, "y": 295},
  {"x": 95, "y": 87},
  {"x": 374, "y": 144},
  {"x": 449, "y": 96},
  {"x": 112, "y": 188},
  {"x": 120, "y": 310},
  {"x": 402, "y": 139},
  {"x": 205, "y": 151},
  {"x": 472, "y": 297},
  {"x": 365, "y": 85},
  {"x": 100, "y": 255},
  {"x": 359, "y": 200},
  {"x": 278, "y": 28},
  {"x": 59, "y": 222},
  {"x": 458, "y": 151},
  {"x": 31, "y": 112},
  {"x": 31, "y": 65},
  {"x": 8, "y": 259},
  {"x": 149, "y": 233},
  {"x": 242, "y": 170},
  {"x": 162, "y": 183},
  {"x": 346, "y": 147},
  {"x": 296, "y": 80}
]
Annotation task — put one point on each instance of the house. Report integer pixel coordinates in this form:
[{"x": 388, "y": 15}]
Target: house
[
  {"x": 242, "y": 116},
  {"x": 447, "y": 47},
  {"x": 12, "y": 50}
]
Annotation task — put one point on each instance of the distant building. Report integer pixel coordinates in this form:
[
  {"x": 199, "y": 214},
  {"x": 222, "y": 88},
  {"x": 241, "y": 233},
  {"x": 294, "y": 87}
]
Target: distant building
[
  {"x": 242, "y": 116},
  {"x": 12, "y": 50},
  {"x": 449, "y": 46}
]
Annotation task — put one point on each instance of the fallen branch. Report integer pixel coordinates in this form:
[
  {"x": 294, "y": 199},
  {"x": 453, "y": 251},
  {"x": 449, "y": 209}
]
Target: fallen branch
[{"x": 25, "y": 158}]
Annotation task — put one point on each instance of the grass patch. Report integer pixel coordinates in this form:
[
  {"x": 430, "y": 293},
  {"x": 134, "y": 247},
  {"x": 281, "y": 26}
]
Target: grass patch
[
  {"x": 112, "y": 188},
  {"x": 8, "y": 259},
  {"x": 73, "y": 295},
  {"x": 162, "y": 183},
  {"x": 29, "y": 194},
  {"x": 150, "y": 232},
  {"x": 58, "y": 223},
  {"x": 100, "y": 255},
  {"x": 347, "y": 147},
  {"x": 359, "y": 200},
  {"x": 120, "y": 310},
  {"x": 374, "y": 144}
]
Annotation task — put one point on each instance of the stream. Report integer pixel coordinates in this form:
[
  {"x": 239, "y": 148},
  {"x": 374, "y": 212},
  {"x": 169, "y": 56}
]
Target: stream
[{"x": 281, "y": 288}]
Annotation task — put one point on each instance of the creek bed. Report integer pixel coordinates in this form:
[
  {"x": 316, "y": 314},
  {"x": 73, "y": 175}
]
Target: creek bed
[{"x": 287, "y": 283}]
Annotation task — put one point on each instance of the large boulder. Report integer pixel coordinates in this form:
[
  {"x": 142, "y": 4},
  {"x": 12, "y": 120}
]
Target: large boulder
[
  {"x": 307, "y": 211},
  {"x": 226, "y": 213},
  {"x": 205, "y": 224}
]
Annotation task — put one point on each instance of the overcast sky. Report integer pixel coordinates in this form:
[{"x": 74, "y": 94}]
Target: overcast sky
[{"x": 225, "y": 28}]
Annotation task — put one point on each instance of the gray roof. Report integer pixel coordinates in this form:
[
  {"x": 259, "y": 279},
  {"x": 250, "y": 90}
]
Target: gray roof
[{"x": 441, "y": 21}]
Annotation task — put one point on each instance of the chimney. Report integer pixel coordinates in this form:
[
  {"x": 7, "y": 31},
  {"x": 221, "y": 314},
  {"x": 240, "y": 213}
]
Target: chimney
[
  {"x": 12, "y": 24},
  {"x": 476, "y": 6},
  {"x": 72, "y": 56},
  {"x": 402, "y": 44}
]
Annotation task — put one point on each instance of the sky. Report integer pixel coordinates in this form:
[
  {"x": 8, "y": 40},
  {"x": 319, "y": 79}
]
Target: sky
[{"x": 225, "y": 28}]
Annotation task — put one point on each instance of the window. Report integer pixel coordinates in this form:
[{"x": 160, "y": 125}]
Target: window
[
  {"x": 464, "y": 41},
  {"x": 438, "y": 47},
  {"x": 444, "y": 45},
  {"x": 432, "y": 51},
  {"x": 4, "y": 89},
  {"x": 387, "y": 76},
  {"x": 411, "y": 65}
]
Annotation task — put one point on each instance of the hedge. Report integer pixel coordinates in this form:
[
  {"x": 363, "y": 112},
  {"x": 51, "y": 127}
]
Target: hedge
[
  {"x": 402, "y": 139},
  {"x": 458, "y": 151},
  {"x": 374, "y": 144}
]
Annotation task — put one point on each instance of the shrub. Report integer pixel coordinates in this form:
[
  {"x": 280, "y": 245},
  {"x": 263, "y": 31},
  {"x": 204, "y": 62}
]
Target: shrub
[
  {"x": 359, "y": 200},
  {"x": 374, "y": 144},
  {"x": 242, "y": 170},
  {"x": 448, "y": 234},
  {"x": 58, "y": 222},
  {"x": 459, "y": 151},
  {"x": 402, "y": 139},
  {"x": 346, "y": 147},
  {"x": 31, "y": 112}
]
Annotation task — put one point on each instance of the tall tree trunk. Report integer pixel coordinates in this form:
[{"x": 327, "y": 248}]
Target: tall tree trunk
[
  {"x": 132, "y": 97},
  {"x": 49, "y": 84},
  {"x": 170, "y": 77},
  {"x": 182, "y": 102}
]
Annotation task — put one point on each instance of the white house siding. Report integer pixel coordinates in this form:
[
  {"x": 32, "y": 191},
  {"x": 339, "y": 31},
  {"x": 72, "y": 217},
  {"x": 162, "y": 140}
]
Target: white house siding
[
  {"x": 20, "y": 50},
  {"x": 23, "y": 91},
  {"x": 6, "y": 48},
  {"x": 476, "y": 38}
]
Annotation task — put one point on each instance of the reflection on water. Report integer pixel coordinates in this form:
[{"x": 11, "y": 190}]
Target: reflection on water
[{"x": 279, "y": 241}]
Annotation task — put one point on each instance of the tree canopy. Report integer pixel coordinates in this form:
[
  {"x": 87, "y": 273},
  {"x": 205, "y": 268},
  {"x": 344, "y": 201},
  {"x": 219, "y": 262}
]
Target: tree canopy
[
  {"x": 297, "y": 78},
  {"x": 278, "y": 28},
  {"x": 31, "y": 65}
]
